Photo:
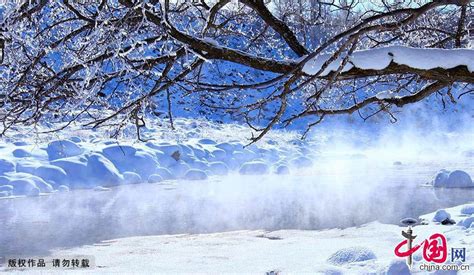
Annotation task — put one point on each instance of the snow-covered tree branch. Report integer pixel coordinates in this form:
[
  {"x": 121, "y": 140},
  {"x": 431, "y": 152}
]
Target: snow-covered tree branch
[{"x": 112, "y": 63}]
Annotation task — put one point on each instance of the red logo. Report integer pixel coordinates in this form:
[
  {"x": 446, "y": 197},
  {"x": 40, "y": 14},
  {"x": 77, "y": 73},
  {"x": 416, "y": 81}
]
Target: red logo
[{"x": 435, "y": 248}]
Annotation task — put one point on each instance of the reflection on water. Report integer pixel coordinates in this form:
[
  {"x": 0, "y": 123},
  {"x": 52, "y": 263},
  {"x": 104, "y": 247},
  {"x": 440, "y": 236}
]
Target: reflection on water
[{"x": 322, "y": 197}]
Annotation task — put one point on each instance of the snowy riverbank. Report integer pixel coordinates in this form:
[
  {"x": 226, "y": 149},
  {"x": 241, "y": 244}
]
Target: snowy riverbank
[{"x": 365, "y": 249}]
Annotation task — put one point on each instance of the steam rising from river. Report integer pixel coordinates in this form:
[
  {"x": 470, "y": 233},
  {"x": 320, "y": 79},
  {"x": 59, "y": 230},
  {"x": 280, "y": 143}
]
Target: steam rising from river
[{"x": 353, "y": 181}]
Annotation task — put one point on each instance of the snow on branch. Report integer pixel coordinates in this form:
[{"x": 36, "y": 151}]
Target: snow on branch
[{"x": 381, "y": 58}]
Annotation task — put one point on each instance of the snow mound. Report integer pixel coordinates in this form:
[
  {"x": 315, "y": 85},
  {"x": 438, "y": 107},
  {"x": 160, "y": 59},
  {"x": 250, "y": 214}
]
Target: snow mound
[
  {"x": 101, "y": 169},
  {"x": 351, "y": 255},
  {"x": 131, "y": 178},
  {"x": 6, "y": 166},
  {"x": 164, "y": 173},
  {"x": 154, "y": 178},
  {"x": 457, "y": 178},
  {"x": 282, "y": 170},
  {"x": 398, "y": 267},
  {"x": 195, "y": 174},
  {"x": 62, "y": 149},
  {"x": 21, "y": 153},
  {"x": 254, "y": 168},
  {"x": 466, "y": 222},
  {"x": 467, "y": 209},
  {"x": 301, "y": 162},
  {"x": 52, "y": 174},
  {"x": 441, "y": 215},
  {"x": 218, "y": 168},
  {"x": 24, "y": 187}
]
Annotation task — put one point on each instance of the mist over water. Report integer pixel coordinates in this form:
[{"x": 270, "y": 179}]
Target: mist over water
[{"x": 353, "y": 181}]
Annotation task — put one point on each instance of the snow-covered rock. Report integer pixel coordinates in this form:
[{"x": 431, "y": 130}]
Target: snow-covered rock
[
  {"x": 154, "y": 178},
  {"x": 441, "y": 215},
  {"x": 301, "y": 162},
  {"x": 195, "y": 174},
  {"x": 76, "y": 170},
  {"x": 179, "y": 169},
  {"x": 4, "y": 180},
  {"x": 131, "y": 178},
  {"x": 282, "y": 170},
  {"x": 6, "y": 166},
  {"x": 459, "y": 178},
  {"x": 254, "y": 168},
  {"x": 127, "y": 159},
  {"x": 26, "y": 166},
  {"x": 52, "y": 174},
  {"x": 398, "y": 267},
  {"x": 218, "y": 168},
  {"x": 207, "y": 141},
  {"x": 164, "y": 173},
  {"x": 63, "y": 188},
  {"x": 62, "y": 149},
  {"x": 467, "y": 222},
  {"x": 453, "y": 179},
  {"x": 102, "y": 170},
  {"x": 467, "y": 209},
  {"x": 351, "y": 255},
  {"x": 24, "y": 186},
  {"x": 6, "y": 188},
  {"x": 21, "y": 153}
]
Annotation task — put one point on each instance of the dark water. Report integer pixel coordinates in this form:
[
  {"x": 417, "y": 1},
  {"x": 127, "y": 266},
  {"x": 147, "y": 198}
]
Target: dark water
[{"x": 342, "y": 194}]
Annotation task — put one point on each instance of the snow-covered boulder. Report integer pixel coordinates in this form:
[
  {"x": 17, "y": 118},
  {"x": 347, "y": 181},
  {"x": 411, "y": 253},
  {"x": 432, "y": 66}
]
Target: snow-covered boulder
[
  {"x": 75, "y": 139},
  {"x": 301, "y": 162},
  {"x": 244, "y": 155},
  {"x": 459, "y": 178},
  {"x": 398, "y": 267},
  {"x": 102, "y": 170},
  {"x": 6, "y": 166},
  {"x": 24, "y": 186},
  {"x": 218, "y": 155},
  {"x": 197, "y": 164},
  {"x": 453, "y": 179},
  {"x": 21, "y": 153},
  {"x": 52, "y": 174},
  {"x": 206, "y": 141},
  {"x": 26, "y": 166},
  {"x": 441, "y": 215},
  {"x": 76, "y": 171},
  {"x": 127, "y": 159},
  {"x": 154, "y": 178},
  {"x": 179, "y": 169},
  {"x": 20, "y": 143},
  {"x": 254, "y": 168},
  {"x": 467, "y": 222},
  {"x": 4, "y": 180},
  {"x": 282, "y": 170},
  {"x": 195, "y": 174},
  {"x": 351, "y": 255},
  {"x": 164, "y": 173},
  {"x": 164, "y": 160},
  {"x": 6, "y": 188},
  {"x": 467, "y": 209},
  {"x": 131, "y": 178},
  {"x": 63, "y": 188},
  {"x": 218, "y": 168},
  {"x": 64, "y": 148},
  {"x": 228, "y": 147},
  {"x": 4, "y": 194},
  {"x": 441, "y": 178}
]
